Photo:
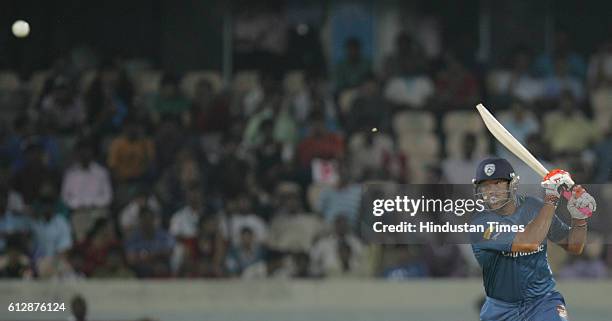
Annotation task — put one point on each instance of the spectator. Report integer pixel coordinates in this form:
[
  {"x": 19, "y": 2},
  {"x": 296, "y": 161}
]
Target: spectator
[
  {"x": 269, "y": 165},
  {"x": 114, "y": 267},
  {"x": 128, "y": 217},
  {"x": 603, "y": 151},
  {"x": 15, "y": 264},
  {"x": 25, "y": 132},
  {"x": 244, "y": 254},
  {"x": 413, "y": 88},
  {"x": 544, "y": 65},
  {"x": 301, "y": 263},
  {"x": 52, "y": 241},
  {"x": 240, "y": 215},
  {"x": 368, "y": 110},
  {"x": 373, "y": 156},
  {"x": 442, "y": 260},
  {"x": 13, "y": 141},
  {"x": 516, "y": 81},
  {"x": 185, "y": 172},
  {"x": 292, "y": 229},
  {"x": 342, "y": 199},
  {"x": 456, "y": 86},
  {"x": 353, "y": 69},
  {"x": 320, "y": 143},
  {"x": 600, "y": 67},
  {"x": 209, "y": 114},
  {"x": 169, "y": 139},
  {"x": 259, "y": 127},
  {"x": 408, "y": 56},
  {"x": 11, "y": 224},
  {"x": 314, "y": 97},
  {"x": 407, "y": 264},
  {"x": 278, "y": 121},
  {"x": 170, "y": 102},
  {"x": 520, "y": 122},
  {"x": 561, "y": 80},
  {"x": 184, "y": 223},
  {"x": 339, "y": 254},
  {"x": 29, "y": 178},
  {"x": 205, "y": 259},
  {"x": 95, "y": 248},
  {"x": 274, "y": 266},
  {"x": 109, "y": 99},
  {"x": 530, "y": 180},
  {"x": 233, "y": 173},
  {"x": 131, "y": 154},
  {"x": 86, "y": 190},
  {"x": 568, "y": 130},
  {"x": 63, "y": 107},
  {"x": 149, "y": 248},
  {"x": 460, "y": 170}
]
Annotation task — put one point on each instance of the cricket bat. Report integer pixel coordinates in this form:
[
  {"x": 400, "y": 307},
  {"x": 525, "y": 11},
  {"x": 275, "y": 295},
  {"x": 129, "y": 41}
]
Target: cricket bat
[{"x": 514, "y": 146}]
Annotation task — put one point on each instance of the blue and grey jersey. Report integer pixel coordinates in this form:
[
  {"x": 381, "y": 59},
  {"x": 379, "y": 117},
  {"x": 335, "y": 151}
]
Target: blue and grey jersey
[{"x": 514, "y": 276}]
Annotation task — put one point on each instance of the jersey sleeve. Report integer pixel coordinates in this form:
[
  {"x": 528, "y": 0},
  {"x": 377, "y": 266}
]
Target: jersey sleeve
[
  {"x": 491, "y": 239},
  {"x": 558, "y": 230}
]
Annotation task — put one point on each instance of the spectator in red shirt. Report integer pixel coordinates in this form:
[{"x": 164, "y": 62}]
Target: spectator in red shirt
[
  {"x": 206, "y": 258},
  {"x": 456, "y": 86},
  {"x": 320, "y": 143},
  {"x": 95, "y": 249},
  {"x": 209, "y": 113}
]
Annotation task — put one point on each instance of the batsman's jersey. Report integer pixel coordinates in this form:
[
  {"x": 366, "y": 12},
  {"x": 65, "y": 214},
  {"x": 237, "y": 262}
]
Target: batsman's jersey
[{"x": 514, "y": 276}]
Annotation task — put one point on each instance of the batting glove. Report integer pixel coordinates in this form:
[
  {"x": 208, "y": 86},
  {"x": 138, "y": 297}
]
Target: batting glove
[
  {"x": 581, "y": 204},
  {"x": 553, "y": 183}
]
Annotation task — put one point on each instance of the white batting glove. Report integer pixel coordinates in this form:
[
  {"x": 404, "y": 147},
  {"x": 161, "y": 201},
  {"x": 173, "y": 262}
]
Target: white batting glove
[
  {"x": 581, "y": 204},
  {"x": 552, "y": 183}
]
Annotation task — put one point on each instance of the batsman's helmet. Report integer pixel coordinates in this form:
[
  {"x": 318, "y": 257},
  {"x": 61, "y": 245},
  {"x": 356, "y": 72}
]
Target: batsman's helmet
[
  {"x": 493, "y": 168},
  {"x": 496, "y": 168}
]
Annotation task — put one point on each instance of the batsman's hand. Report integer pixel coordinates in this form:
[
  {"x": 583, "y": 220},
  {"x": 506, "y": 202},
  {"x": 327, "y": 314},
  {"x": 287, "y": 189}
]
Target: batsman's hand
[
  {"x": 554, "y": 182},
  {"x": 579, "y": 201}
]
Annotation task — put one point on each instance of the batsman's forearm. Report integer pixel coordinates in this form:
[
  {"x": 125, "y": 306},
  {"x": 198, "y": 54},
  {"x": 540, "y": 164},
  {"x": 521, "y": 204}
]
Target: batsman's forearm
[
  {"x": 535, "y": 231},
  {"x": 577, "y": 236}
]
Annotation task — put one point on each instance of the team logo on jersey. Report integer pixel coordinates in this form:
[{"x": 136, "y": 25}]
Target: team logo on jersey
[
  {"x": 489, "y": 169},
  {"x": 487, "y": 233},
  {"x": 562, "y": 311}
]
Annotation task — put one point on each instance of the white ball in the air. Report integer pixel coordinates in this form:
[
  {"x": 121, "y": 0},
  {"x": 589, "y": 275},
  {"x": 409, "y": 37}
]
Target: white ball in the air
[
  {"x": 374, "y": 129},
  {"x": 21, "y": 29}
]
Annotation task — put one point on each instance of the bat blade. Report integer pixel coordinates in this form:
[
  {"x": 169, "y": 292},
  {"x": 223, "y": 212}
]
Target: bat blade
[
  {"x": 504, "y": 137},
  {"x": 513, "y": 145}
]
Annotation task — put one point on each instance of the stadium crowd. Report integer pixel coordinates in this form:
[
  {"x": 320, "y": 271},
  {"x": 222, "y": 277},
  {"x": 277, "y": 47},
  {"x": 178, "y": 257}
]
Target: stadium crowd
[{"x": 123, "y": 171}]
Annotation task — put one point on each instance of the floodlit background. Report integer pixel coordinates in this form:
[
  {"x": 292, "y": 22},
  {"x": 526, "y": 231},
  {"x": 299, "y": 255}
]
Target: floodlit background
[{"x": 203, "y": 160}]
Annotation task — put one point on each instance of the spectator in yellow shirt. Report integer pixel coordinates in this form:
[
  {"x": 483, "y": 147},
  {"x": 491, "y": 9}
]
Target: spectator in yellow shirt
[{"x": 130, "y": 154}]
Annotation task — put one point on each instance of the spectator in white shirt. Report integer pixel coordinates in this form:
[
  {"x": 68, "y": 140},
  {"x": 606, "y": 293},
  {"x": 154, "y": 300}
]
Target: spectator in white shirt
[
  {"x": 456, "y": 170},
  {"x": 516, "y": 80},
  {"x": 339, "y": 254},
  {"x": 128, "y": 218},
  {"x": 292, "y": 229},
  {"x": 86, "y": 189},
  {"x": 184, "y": 223},
  {"x": 239, "y": 216}
]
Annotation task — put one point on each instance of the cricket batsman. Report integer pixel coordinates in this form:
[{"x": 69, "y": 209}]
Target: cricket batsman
[{"x": 517, "y": 278}]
